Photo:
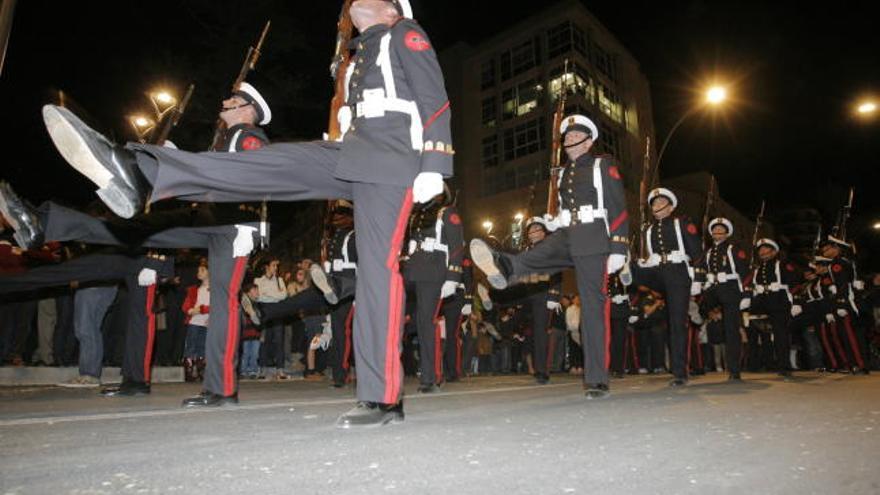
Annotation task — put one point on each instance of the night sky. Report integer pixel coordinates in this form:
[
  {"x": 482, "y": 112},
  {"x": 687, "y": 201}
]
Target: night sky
[{"x": 790, "y": 135}]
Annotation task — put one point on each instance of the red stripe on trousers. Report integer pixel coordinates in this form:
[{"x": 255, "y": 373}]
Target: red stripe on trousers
[
  {"x": 232, "y": 326},
  {"x": 438, "y": 341},
  {"x": 151, "y": 332},
  {"x": 346, "y": 354},
  {"x": 395, "y": 303},
  {"x": 823, "y": 332},
  {"x": 853, "y": 342},
  {"x": 838, "y": 346}
]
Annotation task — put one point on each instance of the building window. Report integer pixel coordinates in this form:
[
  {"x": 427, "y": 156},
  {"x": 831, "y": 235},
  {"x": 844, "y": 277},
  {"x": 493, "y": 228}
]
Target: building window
[
  {"x": 521, "y": 58},
  {"x": 490, "y": 112},
  {"x": 575, "y": 82},
  {"x": 609, "y": 141},
  {"x": 525, "y": 139},
  {"x": 520, "y": 99},
  {"x": 563, "y": 38},
  {"x": 609, "y": 103},
  {"x": 490, "y": 151},
  {"x": 511, "y": 177},
  {"x": 632, "y": 120},
  {"x": 604, "y": 62},
  {"x": 487, "y": 74}
]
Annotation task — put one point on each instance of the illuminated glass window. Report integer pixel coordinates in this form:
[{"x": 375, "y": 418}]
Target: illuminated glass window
[
  {"x": 609, "y": 103},
  {"x": 632, "y": 120},
  {"x": 575, "y": 81},
  {"x": 520, "y": 99},
  {"x": 525, "y": 139}
]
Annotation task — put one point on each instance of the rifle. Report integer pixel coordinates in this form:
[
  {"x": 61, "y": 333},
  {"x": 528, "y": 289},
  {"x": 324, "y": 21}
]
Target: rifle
[
  {"x": 250, "y": 62},
  {"x": 758, "y": 222},
  {"x": 643, "y": 202},
  {"x": 556, "y": 147},
  {"x": 174, "y": 118},
  {"x": 710, "y": 203},
  {"x": 839, "y": 230},
  {"x": 338, "y": 67}
]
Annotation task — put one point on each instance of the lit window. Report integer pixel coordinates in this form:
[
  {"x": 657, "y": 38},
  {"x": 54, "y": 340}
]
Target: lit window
[
  {"x": 520, "y": 99},
  {"x": 576, "y": 82},
  {"x": 609, "y": 103}
]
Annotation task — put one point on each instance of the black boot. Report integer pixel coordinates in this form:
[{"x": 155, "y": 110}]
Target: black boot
[
  {"x": 208, "y": 399},
  {"x": 127, "y": 388},
  {"x": 542, "y": 378},
  {"x": 200, "y": 369},
  {"x": 429, "y": 389},
  {"x": 111, "y": 167},
  {"x": 678, "y": 382},
  {"x": 496, "y": 267},
  {"x": 734, "y": 377},
  {"x": 597, "y": 391},
  {"x": 189, "y": 374},
  {"x": 371, "y": 414},
  {"x": 22, "y": 217}
]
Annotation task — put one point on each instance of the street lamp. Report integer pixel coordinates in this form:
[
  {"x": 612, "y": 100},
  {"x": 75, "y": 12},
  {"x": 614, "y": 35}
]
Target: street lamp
[
  {"x": 876, "y": 226},
  {"x": 866, "y": 108},
  {"x": 714, "y": 96},
  {"x": 142, "y": 126},
  {"x": 487, "y": 225}
]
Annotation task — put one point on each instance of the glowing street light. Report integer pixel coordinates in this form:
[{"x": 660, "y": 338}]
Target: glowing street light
[
  {"x": 519, "y": 217},
  {"x": 876, "y": 226},
  {"x": 163, "y": 102},
  {"x": 142, "y": 125},
  {"x": 866, "y": 108},
  {"x": 487, "y": 225},
  {"x": 716, "y": 95}
]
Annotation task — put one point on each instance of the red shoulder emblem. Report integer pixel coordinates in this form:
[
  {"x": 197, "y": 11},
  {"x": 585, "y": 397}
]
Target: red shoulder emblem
[
  {"x": 614, "y": 172},
  {"x": 836, "y": 268},
  {"x": 454, "y": 219},
  {"x": 416, "y": 42},
  {"x": 692, "y": 229},
  {"x": 251, "y": 143},
  {"x": 789, "y": 267},
  {"x": 466, "y": 263},
  {"x": 741, "y": 254}
]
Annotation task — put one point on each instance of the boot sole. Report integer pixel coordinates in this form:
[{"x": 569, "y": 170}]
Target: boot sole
[
  {"x": 390, "y": 420},
  {"x": 319, "y": 278},
  {"x": 116, "y": 200},
  {"x": 73, "y": 147},
  {"x": 482, "y": 257}
]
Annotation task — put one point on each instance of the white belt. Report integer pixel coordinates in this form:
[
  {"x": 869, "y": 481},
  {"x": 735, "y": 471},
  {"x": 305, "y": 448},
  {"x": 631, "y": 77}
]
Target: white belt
[
  {"x": 428, "y": 245},
  {"x": 584, "y": 214},
  {"x": 620, "y": 299},
  {"x": 658, "y": 259},
  {"x": 375, "y": 104},
  {"x": 721, "y": 278},
  {"x": 774, "y": 287},
  {"x": 339, "y": 265}
]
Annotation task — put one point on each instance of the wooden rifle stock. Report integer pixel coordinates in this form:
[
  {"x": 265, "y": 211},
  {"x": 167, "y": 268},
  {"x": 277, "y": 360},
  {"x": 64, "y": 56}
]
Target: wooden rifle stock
[
  {"x": 557, "y": 147},
  {"x": 338, "y": 68}
]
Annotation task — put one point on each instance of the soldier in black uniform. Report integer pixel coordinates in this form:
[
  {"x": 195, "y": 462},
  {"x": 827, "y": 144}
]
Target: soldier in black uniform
[
  {"x": 620, "y": 316},
  {"x": 242, "y": 113},
  {"x": 724, "y": 268},
  {"x": 456, "y": 308},
  {"x": 769, "y": 294},
  {"x": 432, "y": 271},
  {"x": 592, "y": 237},
  {"x": 808, "y": 319},
  {"x": 673, "y": 243},
  {"x": 842, "y": 272},
  {"x": 396, "y": 150}
]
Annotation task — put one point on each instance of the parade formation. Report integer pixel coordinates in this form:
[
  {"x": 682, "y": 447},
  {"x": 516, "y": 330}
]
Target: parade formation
[{"x": 399, "y": 289}]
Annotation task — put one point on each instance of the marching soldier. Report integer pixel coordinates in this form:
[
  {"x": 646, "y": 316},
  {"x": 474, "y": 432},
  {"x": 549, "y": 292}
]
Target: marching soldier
[
  {"x": 769, "y": 294},
  {"x": 242, "y": 113},
  {"x": 456, "y": 308},
  {"x": 725, "y": 268},
  {"x": 620, "y": 316},
  {"x": 673, "y": 242},
  {"x": 592, "y": 237},
  {"x": 396, "y": 150},
  {"x": 808, "y": 317},
  {"x": 432, "y": 271},
  {"x": 842, "y": 272}
]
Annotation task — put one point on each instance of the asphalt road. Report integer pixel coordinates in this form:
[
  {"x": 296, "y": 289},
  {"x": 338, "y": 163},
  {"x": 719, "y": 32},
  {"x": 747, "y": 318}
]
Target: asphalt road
[{"x": 818, "y": 434}]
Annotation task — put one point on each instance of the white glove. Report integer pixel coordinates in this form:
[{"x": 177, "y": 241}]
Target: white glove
[
  {"x": 775, "y": 286},
  {"x": 710, "y": 278},
  {"x": 796, "y": 310},
  {"x": 616, "y": 262},
  {"x": 858, "y": 285},
  {"x": 745, "y": 304},
  {"x": 696, "y": 287},
  {"x": 552, "y": 222},
  {"x": 244, "y": 241},
  {"x": 483, "y": 292},
  {"x": 833, "y": 289},
  {"x": 722, "y": 277},
  {"x": 426, "y": 186},
  {"x": 343, "y": 116},
  {"x": 633, "y": 319},
  {"x": 829, "y": 318},
  {"x": 147, "y": 277},
  {"x": 842, "y": 313},
  {"x": 448, "y": 289},
  {"x": 759, "y": 289},
  {"x": 554, "y": 306},
  {"x": 467, "y": 309}
]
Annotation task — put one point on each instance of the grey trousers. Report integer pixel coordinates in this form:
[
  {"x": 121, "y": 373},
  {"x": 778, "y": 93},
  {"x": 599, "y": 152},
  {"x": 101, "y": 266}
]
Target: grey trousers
[
  {"x": 90, "y": 307},
  {"x": 301, "y": 172}
]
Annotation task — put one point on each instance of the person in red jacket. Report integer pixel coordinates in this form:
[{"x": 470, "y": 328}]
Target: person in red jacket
[{"x": 196, "y": 307}]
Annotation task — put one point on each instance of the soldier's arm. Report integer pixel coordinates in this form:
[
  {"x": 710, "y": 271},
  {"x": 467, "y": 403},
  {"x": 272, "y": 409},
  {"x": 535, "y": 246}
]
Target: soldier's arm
[
  {"x": 422, "y": 70},
  {"x": 615, "y": 202},
  {"x": 454, "y": 233},
  {"x": 741, "y": 260},
  {"x": 249, "y": 140},
  {"x": 690, "y": 234}
]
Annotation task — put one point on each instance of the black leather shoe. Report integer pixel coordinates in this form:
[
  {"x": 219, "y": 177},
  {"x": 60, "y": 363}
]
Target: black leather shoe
[
  {"x": 678, "y": 382},
  {"x": 22, "y": 217},
  {"x": 207, "y": 399},
  {"x": 734, "y": 377},
  {"x": 319, "y": 278},
  {"x": 542, "y": 378},
  {"x": 597, "y": 391},
  {"x": 111, "y": 167},
  {"x": 371, "y": 414},
  {"x": 429, "y": 389},
  {"x": 495, "y": 266},
  {"x": 127, "y": 389}
]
